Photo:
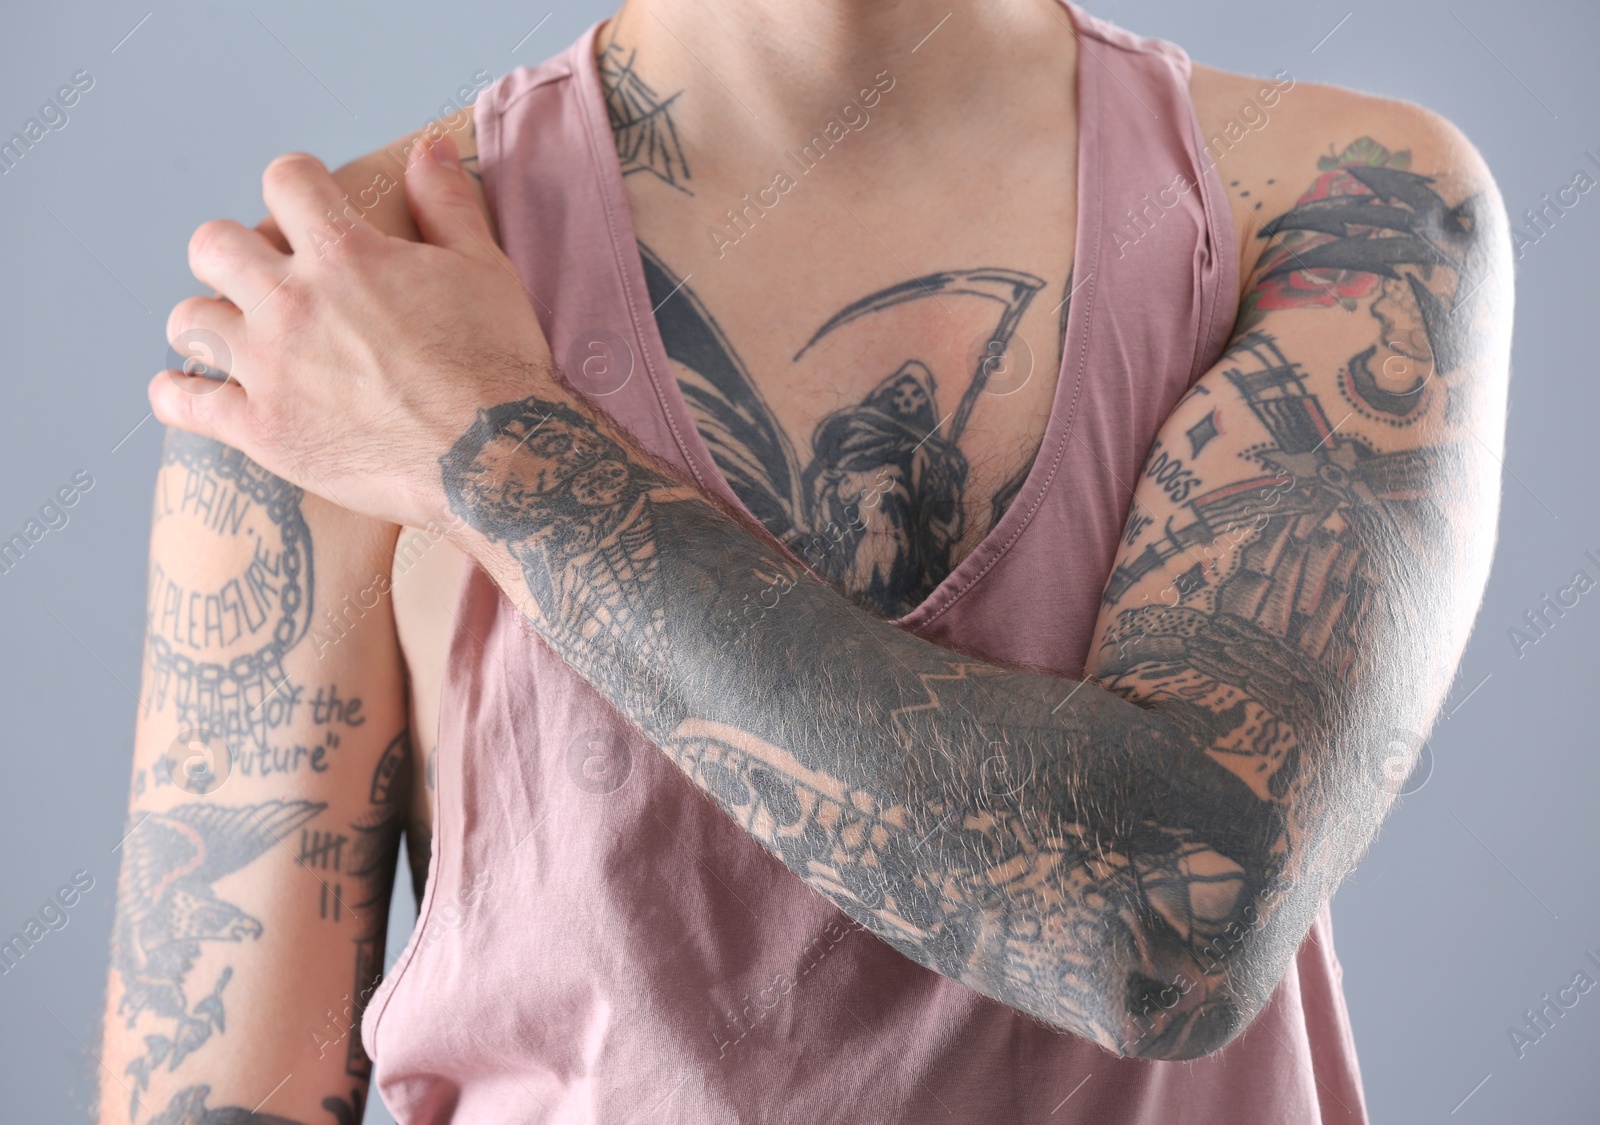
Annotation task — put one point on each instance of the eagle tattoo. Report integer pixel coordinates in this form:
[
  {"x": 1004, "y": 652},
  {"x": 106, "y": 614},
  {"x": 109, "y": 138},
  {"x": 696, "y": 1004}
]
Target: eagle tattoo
[{"x": 167, "y": 909}]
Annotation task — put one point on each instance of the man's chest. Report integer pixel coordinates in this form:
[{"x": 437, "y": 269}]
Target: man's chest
[{"x": 875, "y": 397}]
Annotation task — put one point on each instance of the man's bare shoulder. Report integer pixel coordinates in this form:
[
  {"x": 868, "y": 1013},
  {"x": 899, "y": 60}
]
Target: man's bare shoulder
[
  {"x": 1274, "y": 139},
  {"x": 374, "y": 183}
]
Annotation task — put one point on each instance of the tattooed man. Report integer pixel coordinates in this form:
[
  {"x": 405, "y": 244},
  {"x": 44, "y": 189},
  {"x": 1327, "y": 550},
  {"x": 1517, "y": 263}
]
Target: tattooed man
[{"x": 915, "y": 549}]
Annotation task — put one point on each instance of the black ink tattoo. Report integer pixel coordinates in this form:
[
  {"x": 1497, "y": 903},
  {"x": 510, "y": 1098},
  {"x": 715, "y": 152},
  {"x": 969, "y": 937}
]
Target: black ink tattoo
[
  {"x": 1201, "y": 433},
  {"x": 1253, "y": 651},
  {"x": 372, "y": 866},
  {"x": 324, "y": 851},
  {"x": 1363, "y": 391},
  {"x": 914, "y": 854},
  {"x": 641, "y": 122},
  {"x": 470, "y": 163},
  {"x": 188, "y": 1107},
  {"x": 216, "y": 649},
  {"x": 1001, "y": 501},
  {"x": 1169, "y": 472},
  {"x": 1134, "y": 857},
  {"x": 1137, "y": 522},
  {"x": 880, "y": 506},
  {"x": 166, "y": 909}
]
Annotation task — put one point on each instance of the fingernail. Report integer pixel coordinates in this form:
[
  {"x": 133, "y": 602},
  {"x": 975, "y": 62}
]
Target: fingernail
[{"x": 444, "y": 151}]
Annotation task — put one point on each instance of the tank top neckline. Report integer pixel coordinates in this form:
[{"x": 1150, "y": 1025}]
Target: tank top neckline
[{"x": 1074, "y": 353}]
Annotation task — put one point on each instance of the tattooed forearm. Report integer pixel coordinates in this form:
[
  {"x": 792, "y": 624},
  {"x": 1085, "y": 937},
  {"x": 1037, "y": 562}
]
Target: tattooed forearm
[
  {"x": 997, "y": 825},
  {"x": 255, "y": 740},
  {"x": 1134, "y": 857},
  {"x": 1303, "y": 616}
]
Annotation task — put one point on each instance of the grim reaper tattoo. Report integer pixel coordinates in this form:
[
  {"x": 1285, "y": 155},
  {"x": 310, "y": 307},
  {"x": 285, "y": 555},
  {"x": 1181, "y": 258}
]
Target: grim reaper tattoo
[{"x": 879, "y": 504}]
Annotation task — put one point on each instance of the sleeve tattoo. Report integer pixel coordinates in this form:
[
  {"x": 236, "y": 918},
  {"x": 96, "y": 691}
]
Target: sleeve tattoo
[{"x": 1133, "y": 857}]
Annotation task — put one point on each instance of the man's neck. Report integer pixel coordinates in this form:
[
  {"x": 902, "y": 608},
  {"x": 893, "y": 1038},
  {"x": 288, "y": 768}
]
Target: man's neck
[{"x": 766, "y": 68}]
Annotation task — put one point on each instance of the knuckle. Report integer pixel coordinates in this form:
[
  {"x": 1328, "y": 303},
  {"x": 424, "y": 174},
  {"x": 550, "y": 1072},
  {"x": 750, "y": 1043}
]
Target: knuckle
[
  {"x": 206, "y": 240},
  {"x": 338, "y": 242},
  {"x": 288, "y": 166},
  {"x": 180, "y": 318},
  {"x": 174, "y": 408},
  {"x": 290, "y": 303}
]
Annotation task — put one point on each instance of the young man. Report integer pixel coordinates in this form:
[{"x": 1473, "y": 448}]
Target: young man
[{"x": 939, "y": 535}]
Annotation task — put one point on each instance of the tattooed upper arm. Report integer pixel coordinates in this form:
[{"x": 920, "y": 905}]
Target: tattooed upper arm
[
  {"x": 268, "y": 794},
  {"x": 1310, "y": 537},
  {"x": 271, "y": 660}
]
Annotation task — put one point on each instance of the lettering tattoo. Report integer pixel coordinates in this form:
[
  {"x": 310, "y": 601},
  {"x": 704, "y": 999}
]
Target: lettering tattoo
[
  {"x": 1134, "y": 857},
  {"x": 880, "y": 504},
  {"x": 167, "y": 910},
  {"x": 215, "y": 649}
]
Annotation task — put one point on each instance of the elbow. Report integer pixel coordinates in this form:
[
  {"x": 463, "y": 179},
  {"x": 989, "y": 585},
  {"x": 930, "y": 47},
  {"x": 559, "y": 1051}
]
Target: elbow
[
  {"x": 1188, "y": 1016},
  {"x": 1185, "y": 1030},
  {"x": 1181, "y": 1016},
  {"x": 1187, "y": 1006}
]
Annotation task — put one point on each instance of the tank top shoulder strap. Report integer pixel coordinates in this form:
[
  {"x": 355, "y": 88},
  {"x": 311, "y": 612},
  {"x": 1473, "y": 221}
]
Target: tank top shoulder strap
[
  {"x": 553, "y": 186},
  {"x": 1150, "y": 141},
  {"x": 1152, "y": 307}
]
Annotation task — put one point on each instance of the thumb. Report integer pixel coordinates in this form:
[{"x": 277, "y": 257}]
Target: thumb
[{"x": 443, "y": 203}]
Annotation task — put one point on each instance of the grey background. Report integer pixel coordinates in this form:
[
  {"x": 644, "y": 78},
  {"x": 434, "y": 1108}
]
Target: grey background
[{"x": 1480, "y": 894}]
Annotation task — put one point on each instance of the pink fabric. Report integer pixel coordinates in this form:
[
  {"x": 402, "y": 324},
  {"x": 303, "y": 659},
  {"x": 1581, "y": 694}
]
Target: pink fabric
[{"x": 604, "y": 944}]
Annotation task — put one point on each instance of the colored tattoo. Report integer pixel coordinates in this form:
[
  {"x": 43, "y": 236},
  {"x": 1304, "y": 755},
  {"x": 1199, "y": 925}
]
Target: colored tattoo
[
  {"x": 1134, "y": 857},
  {"x": 1370, "y": 230}
]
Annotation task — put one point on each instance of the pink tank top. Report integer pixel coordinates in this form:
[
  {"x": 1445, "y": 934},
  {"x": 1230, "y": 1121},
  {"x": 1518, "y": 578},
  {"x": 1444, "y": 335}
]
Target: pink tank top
[{"x": 598, "y": 941}]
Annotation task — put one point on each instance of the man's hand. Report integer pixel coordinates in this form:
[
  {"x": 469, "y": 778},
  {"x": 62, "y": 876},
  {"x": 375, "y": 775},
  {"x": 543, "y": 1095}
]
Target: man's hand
[
  {"x": 355, "y": 359},
  {"x": 1134, "y": 857}
]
